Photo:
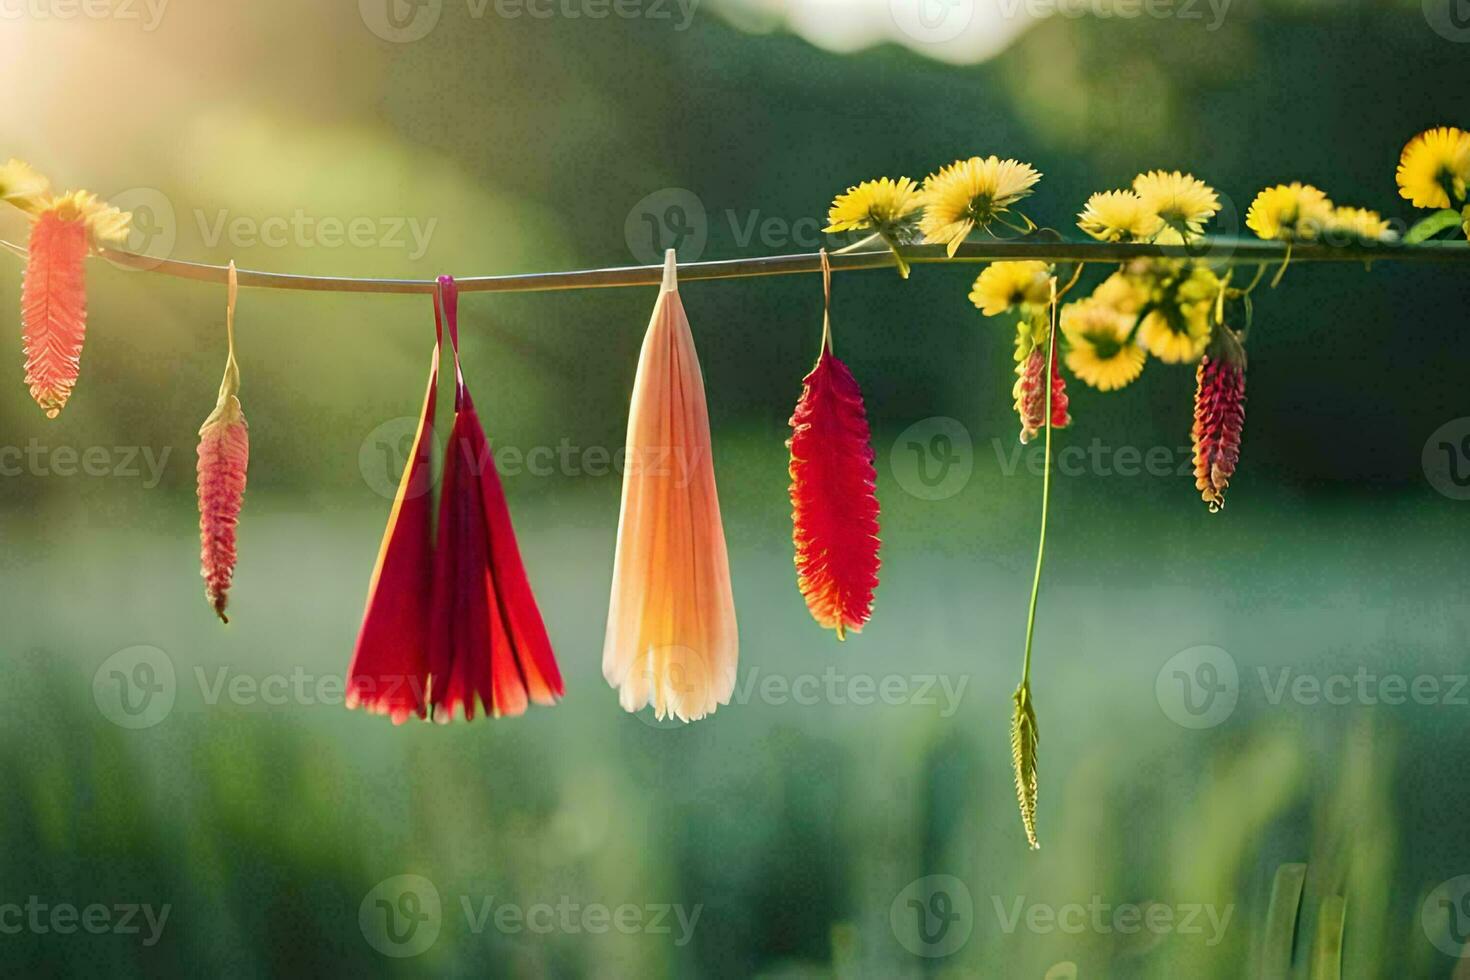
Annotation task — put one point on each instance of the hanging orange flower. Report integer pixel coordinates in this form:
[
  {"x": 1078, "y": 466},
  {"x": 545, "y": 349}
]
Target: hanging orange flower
[{"x": 671, "y": 636}]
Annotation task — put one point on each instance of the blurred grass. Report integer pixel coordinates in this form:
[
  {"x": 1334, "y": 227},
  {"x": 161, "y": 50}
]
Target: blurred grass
[{"x": 790, "y": 824}]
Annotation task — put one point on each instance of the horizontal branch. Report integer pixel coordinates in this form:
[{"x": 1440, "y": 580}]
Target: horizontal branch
[{"x": 1234, "y": 251}]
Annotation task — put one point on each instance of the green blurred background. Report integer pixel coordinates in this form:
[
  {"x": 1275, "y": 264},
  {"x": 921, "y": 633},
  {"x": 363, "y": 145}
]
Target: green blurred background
[{"x": 270, "y": 825}]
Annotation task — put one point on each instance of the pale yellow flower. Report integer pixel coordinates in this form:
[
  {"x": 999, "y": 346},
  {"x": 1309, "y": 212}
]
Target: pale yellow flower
[
  {"x": 1183, "y": 202},
  {"x": 105, "y": 223},
  {"x": 1122, "y": 292},
  {"x": 21, "y": 186},
  {"x": 1101, "y": 352},
  {"x": 1360, "y": 223},
  {"x": 1434, "y": 164},
  {"x": 1004, "y": 285},
  {"x": 880, "y": 205},
  {"x": 1178, "y": 330},
  {"x": 971, "y": 193},
  {"x": 1119, "y": 216},
  {"x": 1289, "y": 212}
]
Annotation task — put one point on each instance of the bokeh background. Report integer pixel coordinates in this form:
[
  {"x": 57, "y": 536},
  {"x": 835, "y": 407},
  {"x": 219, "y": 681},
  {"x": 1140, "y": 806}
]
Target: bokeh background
[{"x": 857, "y": 835}]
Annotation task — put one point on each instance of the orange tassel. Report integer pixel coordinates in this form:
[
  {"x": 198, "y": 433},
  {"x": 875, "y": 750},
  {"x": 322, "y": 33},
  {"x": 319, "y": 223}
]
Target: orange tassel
[{"x": 224, "y": 455}]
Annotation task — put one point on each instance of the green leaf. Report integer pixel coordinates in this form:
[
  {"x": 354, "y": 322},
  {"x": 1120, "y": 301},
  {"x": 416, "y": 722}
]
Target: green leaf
[
  {"x": 1435, "y": 223},
  {"x": 1327, "y": 950},
  {"x": 1281, "y": 914}
]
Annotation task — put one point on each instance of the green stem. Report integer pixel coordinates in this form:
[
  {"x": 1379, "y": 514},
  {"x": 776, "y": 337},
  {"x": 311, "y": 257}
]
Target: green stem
[{"x": 1045, "y": 491}]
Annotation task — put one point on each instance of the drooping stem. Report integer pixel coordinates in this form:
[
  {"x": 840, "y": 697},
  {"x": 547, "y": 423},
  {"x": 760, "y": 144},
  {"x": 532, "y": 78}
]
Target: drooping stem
[{"x": 1045, "y": 489}]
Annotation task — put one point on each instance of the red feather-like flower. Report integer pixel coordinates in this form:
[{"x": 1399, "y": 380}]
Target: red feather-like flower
[
  {"x": 53, "y": 307},
  {"x": 389, "y": 673},
  {"x": 834, "y": 510},
  {"x": 1028, "y": 393},
  {"x": 1219, "y": 416},
  {"x": 488, "y": 642},
  {"x": 224, "y": 456}
]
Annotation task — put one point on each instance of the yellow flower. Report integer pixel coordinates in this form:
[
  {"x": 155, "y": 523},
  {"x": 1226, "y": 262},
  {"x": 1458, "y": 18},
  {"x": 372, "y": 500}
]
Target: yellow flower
[
  {"x": 1286, "y": 212},
  {"x": 1360, "y": 223},
  {"x": 881, "y": 205},
  {"x": 105, "y": 223},
  {"x": 1183, "y": 202},
  {"x": 971, "y": 192},
  {"x": 1002, "y": 285},
  {"x": 1101, "y": 353},
  {"x": 22, "y": 186},
  {"x": 1178, "y": 331},
  {"x": 1122, "y": 292},
  {"x": 1119, "y": 216},
  {"x": 1433, "y": 164}
]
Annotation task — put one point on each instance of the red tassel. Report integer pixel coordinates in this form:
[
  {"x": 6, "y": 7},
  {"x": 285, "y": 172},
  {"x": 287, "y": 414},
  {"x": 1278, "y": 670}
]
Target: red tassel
[
  {"x": 53, "y": 308},
  {"x": 834, "y": 510},
  {"x": 1029, "y": 399},
  {"x": 1219, "y": 416},
  {"x": 224, "y": 457},
  {"x": 489, "y": 643},
  {"x": 389, "y": 673}
]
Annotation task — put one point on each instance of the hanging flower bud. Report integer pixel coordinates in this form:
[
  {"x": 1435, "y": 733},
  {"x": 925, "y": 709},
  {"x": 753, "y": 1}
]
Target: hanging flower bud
[
  {"x": 1219, "y": 415},
  {"x": 1029, "y": 394},
  {"x": 224, "y": 456}
]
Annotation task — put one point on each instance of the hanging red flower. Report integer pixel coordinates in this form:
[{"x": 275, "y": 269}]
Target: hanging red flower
[
  {"x": 487, "y": 641},
  {"x": 834, "y": 510},
  {"x": 1028, "y": 393},
  {"x": 224, "y": 458},
  {"x": 1219, "y": 415}
]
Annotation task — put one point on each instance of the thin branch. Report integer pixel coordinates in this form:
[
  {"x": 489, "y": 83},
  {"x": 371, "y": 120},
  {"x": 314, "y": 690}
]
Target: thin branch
[{"x": 1231, "y": 251}]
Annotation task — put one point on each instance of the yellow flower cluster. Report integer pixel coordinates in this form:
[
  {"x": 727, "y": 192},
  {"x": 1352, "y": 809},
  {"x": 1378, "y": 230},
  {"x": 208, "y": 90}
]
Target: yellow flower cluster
[
  {"x": 1298, "y": 212},
  {"x": 23, "y": 187},
  {"x": 949, "y": 205},
  {"x": 1167, "y": 207}
]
